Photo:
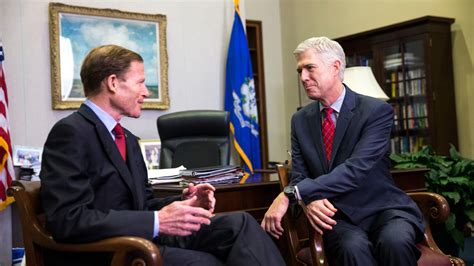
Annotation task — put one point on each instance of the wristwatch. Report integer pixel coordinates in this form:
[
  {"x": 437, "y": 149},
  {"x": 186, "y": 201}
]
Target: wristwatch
[{"x": 290, "y": 192}]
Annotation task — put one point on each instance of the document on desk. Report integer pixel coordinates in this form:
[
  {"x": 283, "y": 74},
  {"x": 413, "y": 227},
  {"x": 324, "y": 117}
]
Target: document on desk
[
  {"x": 165, "y": 174},
  {"x": 205, "y": 172},
  {"x": 213, "y": 175}
]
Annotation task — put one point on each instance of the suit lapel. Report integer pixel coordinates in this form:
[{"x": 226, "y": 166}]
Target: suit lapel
[
  {"x": 343, "y": 120},
  {"x": 314, "y": 124},
  {"x": 133, "y": 167},
  {"x": 111, "y": 150}
]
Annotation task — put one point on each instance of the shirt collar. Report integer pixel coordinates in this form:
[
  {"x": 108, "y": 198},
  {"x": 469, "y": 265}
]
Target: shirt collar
[
  {"x": 104, "y": 117},
  {"x": 337, "y": 105}
]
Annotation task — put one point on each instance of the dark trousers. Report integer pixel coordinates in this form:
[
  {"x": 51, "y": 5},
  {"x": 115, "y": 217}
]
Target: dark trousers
[
  {"x": 230, "y": 239},
  {"x": 389, "y": 239}
]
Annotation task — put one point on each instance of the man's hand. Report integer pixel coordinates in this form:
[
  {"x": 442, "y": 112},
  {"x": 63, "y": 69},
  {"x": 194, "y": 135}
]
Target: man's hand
[
  {"x": 181, "y": 218},
  {"x": 204, "y": 194},
  {"x": 272, "y": 220},
  {"x": 319, "y": 213}
]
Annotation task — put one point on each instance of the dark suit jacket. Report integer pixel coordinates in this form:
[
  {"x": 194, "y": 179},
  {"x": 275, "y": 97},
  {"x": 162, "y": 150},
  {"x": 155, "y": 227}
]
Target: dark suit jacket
[
  {"x": 357, "y": 180},
  {"x": 87, "y": 190}
]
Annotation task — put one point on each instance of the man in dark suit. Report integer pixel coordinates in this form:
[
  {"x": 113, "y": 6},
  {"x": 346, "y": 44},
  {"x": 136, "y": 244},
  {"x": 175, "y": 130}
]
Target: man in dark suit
[
  {"x": 341, "y": 168},
  {"x": 93, "y": 188}
]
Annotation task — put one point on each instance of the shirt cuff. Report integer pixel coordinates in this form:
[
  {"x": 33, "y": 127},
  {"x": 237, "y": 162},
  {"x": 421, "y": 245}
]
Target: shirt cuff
[
  {"x": 298, "y": 196},
  {"x": 156, "y": 228}
]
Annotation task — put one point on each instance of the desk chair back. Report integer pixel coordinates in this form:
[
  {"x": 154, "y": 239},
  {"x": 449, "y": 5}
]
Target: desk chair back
[
  {"x": 127, "y": 250},
  {"x": 196, "y": 138}
]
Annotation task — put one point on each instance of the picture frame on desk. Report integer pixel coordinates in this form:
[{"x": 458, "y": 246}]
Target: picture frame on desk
[
  {"x": 75, "y": 30},
  {"x": 24, "y": 156},
  {"x": 151, "y": 149}
]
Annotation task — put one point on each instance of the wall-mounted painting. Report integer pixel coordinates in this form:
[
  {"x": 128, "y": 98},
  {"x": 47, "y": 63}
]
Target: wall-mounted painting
[{"x": 75, "y": 30}]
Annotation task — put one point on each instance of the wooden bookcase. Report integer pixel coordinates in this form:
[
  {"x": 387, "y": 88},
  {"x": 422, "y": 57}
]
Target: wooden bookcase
[
  {"x": 412, "y": 62},
  {"x": 255, "y": 42}
]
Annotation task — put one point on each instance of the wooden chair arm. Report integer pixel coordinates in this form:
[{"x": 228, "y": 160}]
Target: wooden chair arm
[
  {"x": 434, "y": 207},
  {"x": 127, "y": 250},
  {"x": 316, "y": 243}
]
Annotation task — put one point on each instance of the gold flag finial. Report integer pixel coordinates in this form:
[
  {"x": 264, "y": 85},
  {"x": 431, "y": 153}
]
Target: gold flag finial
[{"x": 236, "y": 5}]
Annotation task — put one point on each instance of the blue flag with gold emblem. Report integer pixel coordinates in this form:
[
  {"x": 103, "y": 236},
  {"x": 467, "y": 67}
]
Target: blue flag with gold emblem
[{"x": 240, "y": 100}]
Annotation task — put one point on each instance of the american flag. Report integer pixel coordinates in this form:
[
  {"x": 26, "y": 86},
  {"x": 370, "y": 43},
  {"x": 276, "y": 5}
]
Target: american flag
[{"x": 6, "y": 164}]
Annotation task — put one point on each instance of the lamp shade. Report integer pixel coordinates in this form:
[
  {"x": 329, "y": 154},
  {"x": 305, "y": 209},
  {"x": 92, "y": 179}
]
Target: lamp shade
[{"x": 361, "y": 80}]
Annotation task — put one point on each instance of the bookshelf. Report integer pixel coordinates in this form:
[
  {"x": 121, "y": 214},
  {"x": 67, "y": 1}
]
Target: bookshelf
[{"x": 412, "y": 61}]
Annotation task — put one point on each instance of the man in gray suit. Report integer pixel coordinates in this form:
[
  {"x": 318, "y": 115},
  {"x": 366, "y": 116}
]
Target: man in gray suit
[
  {"x": 341, "y": 168},
  {"x": 93, "y": 188}
]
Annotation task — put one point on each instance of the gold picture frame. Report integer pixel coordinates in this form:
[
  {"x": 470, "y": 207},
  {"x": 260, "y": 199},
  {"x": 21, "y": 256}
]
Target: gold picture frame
[{"x": 75, "y": 30}]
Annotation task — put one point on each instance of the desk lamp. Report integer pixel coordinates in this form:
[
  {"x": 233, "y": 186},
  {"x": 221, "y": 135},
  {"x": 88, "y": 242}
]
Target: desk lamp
[{"x": 361, "y": 80}]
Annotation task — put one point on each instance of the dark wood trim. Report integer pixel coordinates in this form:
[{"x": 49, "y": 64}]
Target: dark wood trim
[{"x": 255, "y": 42}]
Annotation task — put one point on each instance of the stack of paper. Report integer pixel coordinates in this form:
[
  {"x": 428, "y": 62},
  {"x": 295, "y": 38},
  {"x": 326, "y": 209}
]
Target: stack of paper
[
  {"x": 168, "y": 175},
  {"x": 213, "y": 175}
]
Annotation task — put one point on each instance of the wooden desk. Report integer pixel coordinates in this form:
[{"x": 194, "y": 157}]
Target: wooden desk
[
  {"x": 254, "y": 197},
  {"x": 410, "y": 180},
  {"x": 258, "y": 193}
]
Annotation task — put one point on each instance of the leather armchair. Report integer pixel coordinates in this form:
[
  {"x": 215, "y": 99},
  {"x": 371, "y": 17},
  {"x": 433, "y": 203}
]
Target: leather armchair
[
  {"x": 197, "y": 138},
  {"x": 434, "y": 208},
  {"x": 126, "y": 250}
]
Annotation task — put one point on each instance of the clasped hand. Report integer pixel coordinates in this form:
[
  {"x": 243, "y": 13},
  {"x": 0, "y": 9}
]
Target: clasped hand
[
  {"x": 184, "y": 217},
  {"x": 319, "y": 213}
]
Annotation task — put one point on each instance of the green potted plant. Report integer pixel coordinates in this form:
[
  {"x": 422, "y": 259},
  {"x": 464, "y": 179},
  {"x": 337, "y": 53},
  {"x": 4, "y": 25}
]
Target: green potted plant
[{"x": 451, "y": 176}]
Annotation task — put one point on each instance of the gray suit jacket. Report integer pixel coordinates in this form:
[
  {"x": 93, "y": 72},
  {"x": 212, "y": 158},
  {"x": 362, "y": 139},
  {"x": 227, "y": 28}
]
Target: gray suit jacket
[{"x": 357, "y": 180}]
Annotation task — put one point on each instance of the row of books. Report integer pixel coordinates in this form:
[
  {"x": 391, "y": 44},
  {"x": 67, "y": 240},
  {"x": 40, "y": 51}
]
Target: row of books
[
  {"x": 358, "y": 60},
  {"x": 211, "y": 175},
  {"x": 411, "y": 87},
  {"x": 411, "y": 123},
  {"x": 415, "y": 115},
  {"x": 406, "y": 144},
  {"x": 396, "y": 60},
  {"x": 411, "y": 110},
  {"x": 395, "y": 76}
]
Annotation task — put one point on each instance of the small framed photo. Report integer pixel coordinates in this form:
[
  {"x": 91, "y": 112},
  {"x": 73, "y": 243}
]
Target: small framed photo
[
  {"x": 151, "y": 153},
  {"x": 29, "y": 157}
]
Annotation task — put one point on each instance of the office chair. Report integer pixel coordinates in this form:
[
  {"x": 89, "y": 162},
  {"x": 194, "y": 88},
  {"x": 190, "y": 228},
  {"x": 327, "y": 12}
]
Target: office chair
[
  {"x": 434, "y": 208},
  {"x": 197, "y": 138},
  {"x": 127, "y": 250}
]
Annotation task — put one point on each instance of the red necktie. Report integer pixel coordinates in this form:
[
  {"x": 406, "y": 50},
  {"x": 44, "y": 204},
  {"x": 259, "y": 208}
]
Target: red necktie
[
  {"x": 328, "y": 132},
  {"x": 120, "y": 140}
]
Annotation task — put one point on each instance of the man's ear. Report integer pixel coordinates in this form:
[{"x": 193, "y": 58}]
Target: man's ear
[
  {"x": 111, "y": 83},
  {"x": 336, "y": 65}
]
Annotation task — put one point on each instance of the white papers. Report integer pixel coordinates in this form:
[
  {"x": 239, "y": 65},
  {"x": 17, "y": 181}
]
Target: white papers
[
  {"x": 165, "y": 181},
  {"x": 167, "y": 173}
]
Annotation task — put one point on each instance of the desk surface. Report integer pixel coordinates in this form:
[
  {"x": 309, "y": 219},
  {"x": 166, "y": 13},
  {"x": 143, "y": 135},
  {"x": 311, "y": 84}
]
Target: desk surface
[{"x": 259, "y": 191}]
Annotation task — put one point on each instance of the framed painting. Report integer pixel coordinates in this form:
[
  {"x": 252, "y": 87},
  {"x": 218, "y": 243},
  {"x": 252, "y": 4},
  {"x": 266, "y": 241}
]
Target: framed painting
[
  {"x": 151, "y": 153},
  {"x": 75, "y": 30}
]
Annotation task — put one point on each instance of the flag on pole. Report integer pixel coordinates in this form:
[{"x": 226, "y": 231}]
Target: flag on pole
[
  {"x": 240, "y": 100},
  {"x": 6, "y": 164}
]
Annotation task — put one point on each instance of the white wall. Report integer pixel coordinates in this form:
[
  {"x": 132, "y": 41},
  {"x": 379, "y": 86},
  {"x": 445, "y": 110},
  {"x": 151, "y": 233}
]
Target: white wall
[
  {"x": 268, "y": 11},
  {"x": 197, "y": 41}
]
